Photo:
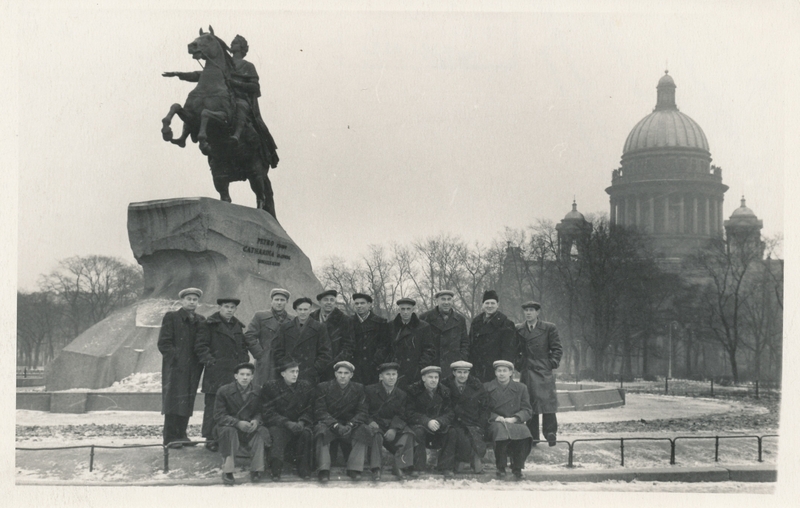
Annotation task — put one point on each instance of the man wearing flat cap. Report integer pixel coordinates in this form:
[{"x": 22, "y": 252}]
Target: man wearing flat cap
[
  {"x": 288, "y": 413},
  {"x": 369, "y": 337},
  {"x": 540, "y": 352},
  {"x": 221, "y": 346},
  {"x": 237, "y": 413},
  {"x": 449, "y": 331},
  {"x": 471, "y": 410},
  {"x": 429, "y": 411},
  {"x": 386, "y": 408},
  {"x": 491, "y": 338},
  {"x": 264, "y": 328},
  {"x": 509, "y": 409},
  {"x": 410, "y": 343},
  {"x": 340, "y": 411},
  {"x": 180, "y": 367},
  {"x": 304, "y": 340},
  {"x": 339, "y": 331}
]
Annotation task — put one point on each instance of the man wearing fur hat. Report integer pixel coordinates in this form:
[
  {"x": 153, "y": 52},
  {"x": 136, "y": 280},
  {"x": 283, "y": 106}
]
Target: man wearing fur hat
[
  {"x": 491, "y": 338},
  {"x": 180, "y": 367},
  {"x": 471, "y": 410},
  {"x": 264, "y": 328}
]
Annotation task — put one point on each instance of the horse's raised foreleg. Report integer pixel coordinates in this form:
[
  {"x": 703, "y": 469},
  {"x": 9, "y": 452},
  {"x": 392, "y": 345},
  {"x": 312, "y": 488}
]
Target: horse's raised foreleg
[{"x": 166, "y": 131}]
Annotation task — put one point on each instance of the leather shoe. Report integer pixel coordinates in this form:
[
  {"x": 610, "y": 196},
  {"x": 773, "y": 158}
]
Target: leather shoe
[
  {"x": 324, "y": 476},
  {"x": 255, "y": 476},
  {"x": 411, "y": 473},
  {"x": 501, "y": 473},
  {"x": 228, "y": 479},
  {"x": 517, "y": 474},
  {"x": 212, "y": 447},
  {"x": 354, "y": 475},
  {"x": 376, "y": 475},
  {"x": 551, "y": 439}
]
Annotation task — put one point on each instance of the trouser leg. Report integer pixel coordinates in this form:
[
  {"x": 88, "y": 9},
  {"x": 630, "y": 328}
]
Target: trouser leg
[
  {"x": 501, "y": 454},
  {"x": 323, "y": 455},
  {"x": 375, "y": 449},
  {"x": 280, "y": 438},
  {"x": 258, "y": 441},
  {"x": 355, "y": 461},
  {"x": 302, "y": 448},
  {"x": 533, "y": 426},
  {"x": 420, "y": 455},
  {"x": 182, "y": 423},
  {"x": 447, "y": 455},
  {"x": 519, "y": 449},
  {"x": 208, "y": 415},
  {"x": 228, "y": 440},
  {"x": 171, "y": 430},
  {"x": 549, "y": 424},
  {"x": 404, "y": 452}
]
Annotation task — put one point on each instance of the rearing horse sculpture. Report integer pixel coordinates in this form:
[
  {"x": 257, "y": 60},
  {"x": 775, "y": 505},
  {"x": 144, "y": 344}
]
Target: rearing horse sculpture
[{"x": 209, "y": 117}]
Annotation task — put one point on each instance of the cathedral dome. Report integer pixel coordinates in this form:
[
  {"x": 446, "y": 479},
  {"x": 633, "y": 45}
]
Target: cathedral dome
[
  {"x": 665, "y": 127},
  {"x": 743, "y": 213},
  {"x": 574, "y": 214}
]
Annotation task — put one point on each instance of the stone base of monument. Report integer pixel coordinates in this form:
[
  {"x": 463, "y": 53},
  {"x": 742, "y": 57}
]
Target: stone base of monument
[{"x": 226, "y": 250}]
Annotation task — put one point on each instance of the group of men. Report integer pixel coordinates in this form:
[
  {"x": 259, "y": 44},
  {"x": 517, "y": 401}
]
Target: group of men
[{"x": 324, "y": 381}]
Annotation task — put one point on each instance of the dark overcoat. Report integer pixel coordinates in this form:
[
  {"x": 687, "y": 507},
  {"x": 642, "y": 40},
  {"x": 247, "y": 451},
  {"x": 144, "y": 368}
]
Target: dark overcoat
[
  {"x": 540, "y": 353},
  {"x": 344, "y": 406},
  {"x": 341, "y": 336},
  {"x": 230, "y": 407},
  {"x": 471, "y": 413},
  {"x": 450, "y": 337},
  {"x": 369, "y": 338},
  {"x": 387, "y": 410},
  {"x": 282, "y": 403},
  {"x": 490, "y": 341},
  {"x": 410, "y": 346},
  {"x": 180, "y": 367},
  {"x": 308, "y": 345},
  {"x": 221, "y": 347},
  {"x": 507, "y": 401},
  {"x": 421, "y": 408},
  {"x": 264, "y": 328}
]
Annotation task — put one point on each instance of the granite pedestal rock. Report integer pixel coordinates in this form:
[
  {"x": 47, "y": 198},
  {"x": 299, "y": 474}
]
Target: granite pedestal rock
[{"x": 225, "y": 249}]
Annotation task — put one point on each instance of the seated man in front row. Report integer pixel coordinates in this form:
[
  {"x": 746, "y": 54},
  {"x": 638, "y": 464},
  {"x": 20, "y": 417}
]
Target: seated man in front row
[
  {"x": 237, "y": 414},
  {"x": 387, "y": 407},
  {"x": 510, "y": 408},
  {"x": 289, "y": 413},
  {"x": 430, "y": 413},
  {"x": 471, "y": 409},
  {"x": 340, "y": 410}
]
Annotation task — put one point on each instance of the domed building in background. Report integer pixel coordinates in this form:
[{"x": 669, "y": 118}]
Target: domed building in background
[{"x": 666, "y": 184}]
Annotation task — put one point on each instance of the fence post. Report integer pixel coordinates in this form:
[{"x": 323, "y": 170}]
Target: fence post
[
  {"x": 622, "y": 451},
  {"x": 91, "y": 459},
  {"x": 712, "y": 386},
  {"x": 672, "y": 452},
  {"x": 716, "y": 448},
  {"x": 166, "y": 459},
  {"x": 759, "y": 448},
  {"x": 569, "y": 461}
]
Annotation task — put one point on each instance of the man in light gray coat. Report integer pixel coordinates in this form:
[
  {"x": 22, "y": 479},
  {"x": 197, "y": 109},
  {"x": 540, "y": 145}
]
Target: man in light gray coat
[{"x": 264, "y": 328}]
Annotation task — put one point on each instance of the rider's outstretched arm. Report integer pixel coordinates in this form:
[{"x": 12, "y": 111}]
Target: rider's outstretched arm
[{"x": 193, "y": 76}]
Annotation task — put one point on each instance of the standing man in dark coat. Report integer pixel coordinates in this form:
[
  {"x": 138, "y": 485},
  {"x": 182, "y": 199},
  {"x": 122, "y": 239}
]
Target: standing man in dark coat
[
  {"x": 491, "y": 338},
  {"x": 369, "y": 337},
  {"x": 387, "y": 413},
  {"x": 304, "y": 340},
  {"x": 237, "y": 413},
  {"x": 288, "y": 410},
  {"x": 180, "y": 368},
  {"x": 510, "y": 408},
  {"x": 410, "y": 343},
  {"x": 540, "y": 352},
  {"x": 429, "y": 411},
  {"x": 221, "y": 346},
  {"x": 471, "y": 410},
  {"x": 449, "y": 329},
  {"x": 339, "y": 332},
  {"x": 340, "y": 411},
  {"x": 264, "y": 328}
]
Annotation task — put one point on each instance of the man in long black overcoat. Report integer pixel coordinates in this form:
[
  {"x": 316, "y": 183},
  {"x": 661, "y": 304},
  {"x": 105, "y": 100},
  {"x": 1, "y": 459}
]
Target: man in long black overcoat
[
  {"x": 180, "y": 367},
  {"x": 410, "y": 344},
  {"x": 449, "y": 331},
  {"x": 429, "y": 411},
  {"x": 304, "y": 340},
  {"x": 471, "y": 410},
  {"x": 337, "y": 325},
  {"x": 491, "y": 338},
  {"x": 369, "y": 338},
  {"x": 221, "y": 346}
]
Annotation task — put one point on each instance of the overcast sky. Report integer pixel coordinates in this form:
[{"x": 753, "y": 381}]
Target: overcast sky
[{"x": 391, "y": 125}]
